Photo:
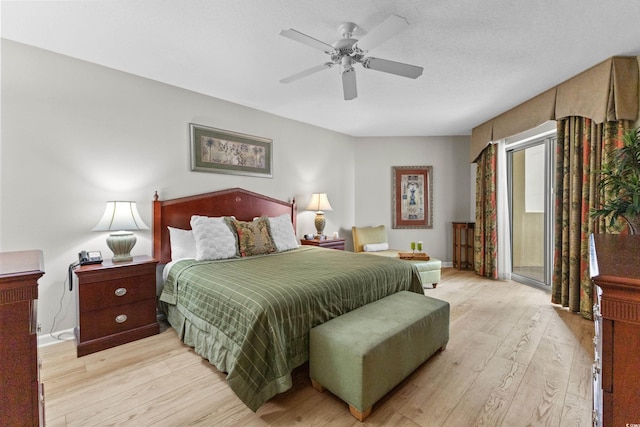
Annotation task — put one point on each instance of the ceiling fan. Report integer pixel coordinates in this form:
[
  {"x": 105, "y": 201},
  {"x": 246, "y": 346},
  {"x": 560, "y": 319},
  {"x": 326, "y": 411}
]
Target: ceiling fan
[{"x": 349, "y": 51}]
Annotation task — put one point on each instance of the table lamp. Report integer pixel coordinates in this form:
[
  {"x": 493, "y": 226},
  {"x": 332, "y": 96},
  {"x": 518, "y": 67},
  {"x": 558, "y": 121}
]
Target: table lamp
[
  {"x": 121, "y": 218},
  {"x": 319, "y": 203}
]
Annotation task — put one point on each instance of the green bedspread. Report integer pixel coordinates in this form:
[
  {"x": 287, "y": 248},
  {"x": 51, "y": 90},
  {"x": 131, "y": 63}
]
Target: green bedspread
[{"x": 251, "y": 317}]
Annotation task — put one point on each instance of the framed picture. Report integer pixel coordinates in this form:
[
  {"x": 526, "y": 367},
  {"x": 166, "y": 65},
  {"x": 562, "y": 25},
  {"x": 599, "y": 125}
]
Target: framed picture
[
  {"x": 412, "y": 196},
  {"x": 223, "y": 151}
]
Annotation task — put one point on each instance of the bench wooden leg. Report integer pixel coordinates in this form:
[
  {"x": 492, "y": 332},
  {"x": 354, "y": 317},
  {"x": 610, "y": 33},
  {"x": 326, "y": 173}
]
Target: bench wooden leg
[
  {"x": 434, "y": 285},
  {"x": 315, "y": 384},
  {"x": 360, "y": 416}
]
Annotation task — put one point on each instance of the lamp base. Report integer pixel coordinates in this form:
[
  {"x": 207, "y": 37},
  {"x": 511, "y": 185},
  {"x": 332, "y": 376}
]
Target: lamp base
[
  {"x": 121, "y": 244},
  {"x": 320, "y": 222}
]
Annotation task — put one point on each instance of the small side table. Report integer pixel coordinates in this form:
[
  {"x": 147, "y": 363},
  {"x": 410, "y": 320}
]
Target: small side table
[
  {"x": 326, "y": 243},
  {"x": 463, "y": 255},
  {"x": 116, "y": 303}
]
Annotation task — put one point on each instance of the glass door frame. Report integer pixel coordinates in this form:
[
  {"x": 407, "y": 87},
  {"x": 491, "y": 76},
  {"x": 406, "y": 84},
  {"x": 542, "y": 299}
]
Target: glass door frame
[{"x": 548, "y": 139}]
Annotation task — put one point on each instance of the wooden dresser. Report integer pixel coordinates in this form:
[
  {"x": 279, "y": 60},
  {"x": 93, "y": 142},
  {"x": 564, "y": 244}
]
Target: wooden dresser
[
  {"x": 616, "y": 275},
  {"x": 116, "y": 303},
  {"x": 21, "y": 393}
]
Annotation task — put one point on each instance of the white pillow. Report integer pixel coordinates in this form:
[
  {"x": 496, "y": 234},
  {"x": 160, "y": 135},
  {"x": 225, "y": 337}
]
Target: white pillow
[
  {"x": 183, "y": 244},
  {"x": 282, "y": 233},
  {"x": 214, "y": 239},
  {"x": 375, "y": 247}
]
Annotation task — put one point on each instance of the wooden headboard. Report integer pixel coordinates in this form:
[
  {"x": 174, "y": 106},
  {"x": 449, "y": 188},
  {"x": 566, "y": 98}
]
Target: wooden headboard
[{"x": 244, "y": 205}]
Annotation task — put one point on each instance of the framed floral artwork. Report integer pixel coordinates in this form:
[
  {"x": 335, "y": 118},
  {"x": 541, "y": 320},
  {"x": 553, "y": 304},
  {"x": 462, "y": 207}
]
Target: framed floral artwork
[
  {"x": 412, "y": 202},
  {"x": 223, "y": 151}
]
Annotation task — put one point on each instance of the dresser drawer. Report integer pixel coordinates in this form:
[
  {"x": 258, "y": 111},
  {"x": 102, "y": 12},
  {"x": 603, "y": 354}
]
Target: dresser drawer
[
  {"x": 120, "y": 318},
  {"x": 109, "y": 293}
]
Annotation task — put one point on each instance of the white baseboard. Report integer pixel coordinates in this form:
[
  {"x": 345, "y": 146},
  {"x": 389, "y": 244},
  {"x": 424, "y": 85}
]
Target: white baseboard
[
  {"x": 447, "y": 264},
  {"x": 56, "y": 337}
]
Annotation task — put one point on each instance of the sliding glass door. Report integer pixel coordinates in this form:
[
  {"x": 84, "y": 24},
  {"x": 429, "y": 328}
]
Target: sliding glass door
[{"x": 529, "y": 169}]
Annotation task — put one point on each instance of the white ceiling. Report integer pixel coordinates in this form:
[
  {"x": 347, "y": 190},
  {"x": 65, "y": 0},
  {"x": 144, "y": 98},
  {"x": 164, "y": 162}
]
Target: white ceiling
[{"x": 480, "y": 58}]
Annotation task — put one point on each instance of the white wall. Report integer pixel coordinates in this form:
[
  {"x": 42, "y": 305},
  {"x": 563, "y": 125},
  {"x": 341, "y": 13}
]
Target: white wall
[
  {"x": 375, "y": 158},
  {"x": 75, "y": 135}
]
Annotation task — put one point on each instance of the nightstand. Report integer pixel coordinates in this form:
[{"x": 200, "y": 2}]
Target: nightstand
[
  {"x": 326, "y": 243},
  {"x": 116, "y": 303}
]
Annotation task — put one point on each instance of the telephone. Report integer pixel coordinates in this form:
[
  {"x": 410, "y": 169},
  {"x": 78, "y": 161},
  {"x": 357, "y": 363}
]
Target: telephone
[
  {"x": 84, "y": 258},
  {"x": 91, "y": 257}
]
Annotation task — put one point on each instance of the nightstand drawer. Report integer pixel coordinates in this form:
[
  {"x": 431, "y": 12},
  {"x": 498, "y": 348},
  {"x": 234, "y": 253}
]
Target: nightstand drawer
[
  {"x": 333, "y": 244},
  {"x": 325, "y": 243},
  {"x": 99, "y": 295},
  {"x": 111, "y": 320}
]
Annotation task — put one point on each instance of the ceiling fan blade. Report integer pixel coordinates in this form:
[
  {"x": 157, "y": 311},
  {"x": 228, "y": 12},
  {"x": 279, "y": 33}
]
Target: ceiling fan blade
[
  {"x": 389, "y": 28},
  {"x": 349, "y": 87},
  {"x": 305, "y": 39},
  {"x": 392, "y": 67},
  {"x": 307, "y": 72}
]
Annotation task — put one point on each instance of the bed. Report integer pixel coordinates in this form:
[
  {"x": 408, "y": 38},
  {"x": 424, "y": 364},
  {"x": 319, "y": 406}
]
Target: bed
[{"x": 250, "y": 316}]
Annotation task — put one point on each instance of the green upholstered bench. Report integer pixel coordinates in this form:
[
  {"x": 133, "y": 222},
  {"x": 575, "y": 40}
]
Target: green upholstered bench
[
  {"x": 361, "y": 355},
  {"x": 429, "y": 271}
]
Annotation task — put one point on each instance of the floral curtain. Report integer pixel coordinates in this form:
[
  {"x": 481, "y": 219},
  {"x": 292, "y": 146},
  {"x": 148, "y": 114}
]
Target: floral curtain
[
  {"x": 485, "y": 237},
  {"x": 581, "y": 144}
]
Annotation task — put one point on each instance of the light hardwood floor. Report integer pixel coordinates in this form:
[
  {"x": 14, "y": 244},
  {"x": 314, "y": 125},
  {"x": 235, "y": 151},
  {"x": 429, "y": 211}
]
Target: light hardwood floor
[{"x": 513, "y": 359}]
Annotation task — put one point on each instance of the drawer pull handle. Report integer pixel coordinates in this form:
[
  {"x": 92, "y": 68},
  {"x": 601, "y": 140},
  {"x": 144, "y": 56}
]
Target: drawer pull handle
[
  {"x": 121, "y": 318},
  {"x": 120, "y": 292}
]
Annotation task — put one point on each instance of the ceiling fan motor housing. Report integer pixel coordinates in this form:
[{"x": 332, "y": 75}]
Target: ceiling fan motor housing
[{"x": 344, "y": 47}]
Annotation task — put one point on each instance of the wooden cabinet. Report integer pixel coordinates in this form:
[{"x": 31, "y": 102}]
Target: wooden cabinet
[
  {"x": 616, "y": 274},
  {"x": 326, "y": 243},
  {"x": 116, "y": 303},
  {"x": 21, "y": 393},
  {"x": 463, "y": 254}
]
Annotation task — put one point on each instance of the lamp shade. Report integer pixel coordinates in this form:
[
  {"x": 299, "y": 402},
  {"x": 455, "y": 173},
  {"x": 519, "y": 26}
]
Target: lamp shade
[
  {"x": 120, "y": 216},
  {"x": 319, "y": 202}
]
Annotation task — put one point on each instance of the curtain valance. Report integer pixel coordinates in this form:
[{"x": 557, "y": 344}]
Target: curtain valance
[{"x": 605, "y": 92}]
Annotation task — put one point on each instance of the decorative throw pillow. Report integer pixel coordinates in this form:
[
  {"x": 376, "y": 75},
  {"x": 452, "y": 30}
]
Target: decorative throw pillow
[
  {"x": 214, "y": 239},
  {"x": 183, "y": 244},
  {"x": 282, "y": 233},
  {"x": 254, "y": 237},
  {"x": 229, "y": 221}
]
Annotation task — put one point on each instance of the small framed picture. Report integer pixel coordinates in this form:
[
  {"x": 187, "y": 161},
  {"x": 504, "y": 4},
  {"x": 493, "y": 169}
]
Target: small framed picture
[{"x": 412, "y": 196}]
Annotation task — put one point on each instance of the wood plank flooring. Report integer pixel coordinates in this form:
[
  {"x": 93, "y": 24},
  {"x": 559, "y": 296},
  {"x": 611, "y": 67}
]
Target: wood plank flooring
[{"x": 513, "y": 359}]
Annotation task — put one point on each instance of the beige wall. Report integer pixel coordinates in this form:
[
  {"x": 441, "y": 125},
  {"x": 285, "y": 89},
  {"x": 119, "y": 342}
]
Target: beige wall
[
  {"x": 452, "y": 187},
  {"x": 528, "y": 228}
]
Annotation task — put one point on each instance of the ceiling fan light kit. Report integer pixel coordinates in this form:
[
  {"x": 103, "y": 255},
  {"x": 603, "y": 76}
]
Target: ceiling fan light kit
[{"x": 349, "y": 51}]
